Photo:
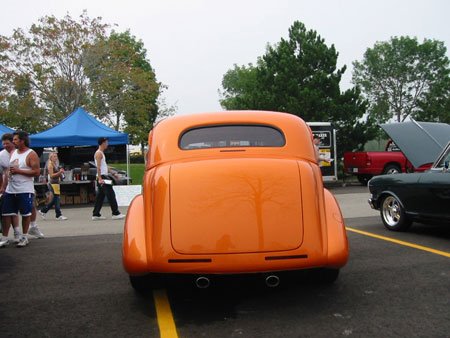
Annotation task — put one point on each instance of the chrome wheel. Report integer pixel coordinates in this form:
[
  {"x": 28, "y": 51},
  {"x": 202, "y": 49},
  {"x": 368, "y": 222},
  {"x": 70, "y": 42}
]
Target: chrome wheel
[
  {"x": 393, "y": 215},
  {"x": 391, "y": 211},
  {"x": 391, "y": 169}
]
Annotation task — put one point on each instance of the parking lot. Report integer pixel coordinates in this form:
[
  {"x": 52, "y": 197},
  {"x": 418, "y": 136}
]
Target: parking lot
[{"x": 72, "y": 284}]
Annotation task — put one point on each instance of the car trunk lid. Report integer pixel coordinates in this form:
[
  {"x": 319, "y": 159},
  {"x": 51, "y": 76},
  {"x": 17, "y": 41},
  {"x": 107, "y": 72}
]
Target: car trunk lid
[{"x": 235, "y": 206}]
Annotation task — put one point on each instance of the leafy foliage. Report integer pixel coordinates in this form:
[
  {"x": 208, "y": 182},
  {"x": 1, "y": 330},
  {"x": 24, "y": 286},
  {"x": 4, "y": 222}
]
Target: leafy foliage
[
  {"x": 299, "y": 76},
  {"x": 50, "y": 60},
  {"x": 22, "y": 112},
  {"x": 62, "y": 64},
  {"x": 123, "y": 84},
  {"x": 402, "y": 78}
]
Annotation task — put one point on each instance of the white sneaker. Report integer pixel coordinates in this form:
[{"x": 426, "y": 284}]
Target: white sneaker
[
  {"x": 119, "y": 216},
  {"x": 34, "y": 231},
  {"x": 16, "y": 237},
  {"x": 61, "y": 218},
  {"x": 43, "y": 214},
  {"x": 4, "y": 243},
  {"x": 22, "y": 242},
  {"x": 98, "y": 218}
]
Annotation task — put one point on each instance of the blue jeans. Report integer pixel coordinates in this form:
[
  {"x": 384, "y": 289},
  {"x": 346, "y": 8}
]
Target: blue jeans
[{"x": 54, "y": 202}]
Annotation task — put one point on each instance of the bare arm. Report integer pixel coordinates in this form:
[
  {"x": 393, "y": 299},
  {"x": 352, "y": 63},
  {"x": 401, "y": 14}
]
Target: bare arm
[
  {"x": 32, "y": 162},
  {"x": 5, "y": 180},
  {"x": 52, "y": 173}
]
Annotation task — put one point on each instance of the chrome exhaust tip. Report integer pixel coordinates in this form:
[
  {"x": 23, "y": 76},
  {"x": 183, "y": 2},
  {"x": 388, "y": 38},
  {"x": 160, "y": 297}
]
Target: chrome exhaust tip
[
  {"x": 272, "y": 281},
  {"x": 202, "y": 282}
]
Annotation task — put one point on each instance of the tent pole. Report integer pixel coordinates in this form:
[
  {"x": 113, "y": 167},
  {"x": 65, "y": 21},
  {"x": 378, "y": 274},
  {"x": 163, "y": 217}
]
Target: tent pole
[{"x": 128, "y": 165}]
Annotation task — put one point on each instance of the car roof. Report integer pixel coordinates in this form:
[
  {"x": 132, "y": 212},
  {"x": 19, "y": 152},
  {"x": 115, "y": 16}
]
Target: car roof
[{"x": 164, "y": 138}]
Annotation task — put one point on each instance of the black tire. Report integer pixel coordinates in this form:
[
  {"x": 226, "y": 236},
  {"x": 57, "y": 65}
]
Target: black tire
[
  {"x": 141, "y": 284},
  {"x": 364, "y": 179},
  {"x": 393, "y": 215},
  {"x": 391, "y": 169},
  {"x": 325, "y": 275}
]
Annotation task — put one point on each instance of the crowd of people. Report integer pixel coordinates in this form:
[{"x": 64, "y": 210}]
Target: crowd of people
[{"x": 19, "y": 165}]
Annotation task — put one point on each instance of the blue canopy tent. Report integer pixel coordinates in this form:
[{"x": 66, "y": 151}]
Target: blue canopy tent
[
  {"x": 78, "y": 129},
  {"x": 4, "y": 129}
]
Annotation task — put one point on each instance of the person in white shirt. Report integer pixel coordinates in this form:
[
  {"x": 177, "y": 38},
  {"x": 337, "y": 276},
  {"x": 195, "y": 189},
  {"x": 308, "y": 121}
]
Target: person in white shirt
[
  {"x": 104, "y": 185},
  {"x": 5, "y": 154},
  {"x": 19, "y": 192}
]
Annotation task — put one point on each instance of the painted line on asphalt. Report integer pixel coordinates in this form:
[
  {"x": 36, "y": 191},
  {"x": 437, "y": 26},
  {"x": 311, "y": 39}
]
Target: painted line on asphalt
[
  {"x": 167, "y": 328},
  {"x": 411, "y": 245}
]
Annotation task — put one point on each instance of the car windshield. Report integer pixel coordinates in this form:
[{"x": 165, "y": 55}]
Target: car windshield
[{"x": 232, "y": 136}]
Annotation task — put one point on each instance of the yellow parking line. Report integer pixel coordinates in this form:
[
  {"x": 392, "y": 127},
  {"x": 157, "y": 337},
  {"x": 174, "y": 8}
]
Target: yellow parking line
[
  {"x": 415, "y": 246},
  {"x": 166, "y": 323}
]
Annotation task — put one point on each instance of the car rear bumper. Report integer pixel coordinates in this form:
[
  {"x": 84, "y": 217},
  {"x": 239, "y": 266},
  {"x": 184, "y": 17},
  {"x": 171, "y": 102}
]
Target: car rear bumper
[{"x": 239, "y": 279}]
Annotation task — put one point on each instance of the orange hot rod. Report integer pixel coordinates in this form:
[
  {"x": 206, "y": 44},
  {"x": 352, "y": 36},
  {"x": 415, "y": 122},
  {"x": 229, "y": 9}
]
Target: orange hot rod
[{"x": 232, "y": 193}]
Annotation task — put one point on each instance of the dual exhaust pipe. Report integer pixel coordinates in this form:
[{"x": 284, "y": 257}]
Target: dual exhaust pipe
[{"x": 202, "y": 282}]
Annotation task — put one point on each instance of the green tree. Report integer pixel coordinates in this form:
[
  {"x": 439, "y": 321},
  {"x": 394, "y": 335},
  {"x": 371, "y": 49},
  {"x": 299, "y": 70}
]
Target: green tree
[
  {"x": 402, "y": 78},
  {"x": 240, "y": 88},
  {"x": 22, "y": 112},
  {"x": 50, "y": 57},
  {"x": 435, "y": 106},
  {"x": 62, "y": 64},
  {"x": 123, "y": 84},
  {"x": 299, "y": 76}
]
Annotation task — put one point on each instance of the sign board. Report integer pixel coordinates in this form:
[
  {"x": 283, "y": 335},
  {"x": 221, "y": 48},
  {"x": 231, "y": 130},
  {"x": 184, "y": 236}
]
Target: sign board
[
  {"x": 126, "y": 193},
  {"x": 327, "y": 149}
]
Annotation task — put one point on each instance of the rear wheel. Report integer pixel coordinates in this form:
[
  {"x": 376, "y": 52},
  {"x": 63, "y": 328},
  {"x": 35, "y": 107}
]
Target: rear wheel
[
  {"x": 325, "y": 275},
  {"x": 392, "y": 169},
  {"x": 393, "y": 215},
  {"x": 142, "y": 284}
]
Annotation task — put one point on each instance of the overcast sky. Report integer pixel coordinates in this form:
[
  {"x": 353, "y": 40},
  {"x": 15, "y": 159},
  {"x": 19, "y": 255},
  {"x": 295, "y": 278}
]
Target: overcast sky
[{"x": 192, "y": 43}]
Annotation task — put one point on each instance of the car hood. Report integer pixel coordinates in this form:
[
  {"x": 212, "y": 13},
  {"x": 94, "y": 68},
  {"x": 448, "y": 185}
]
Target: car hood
[{"x": 421, "y": 142}]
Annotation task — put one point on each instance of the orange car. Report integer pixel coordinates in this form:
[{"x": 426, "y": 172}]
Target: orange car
[{"x": 232, "y": 193}]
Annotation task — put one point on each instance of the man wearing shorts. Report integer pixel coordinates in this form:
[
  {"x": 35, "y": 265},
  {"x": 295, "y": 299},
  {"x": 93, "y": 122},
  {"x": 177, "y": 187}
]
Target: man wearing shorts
[
  {"x": 5, "y": 155},
  {"x": 19, "y": 193}
]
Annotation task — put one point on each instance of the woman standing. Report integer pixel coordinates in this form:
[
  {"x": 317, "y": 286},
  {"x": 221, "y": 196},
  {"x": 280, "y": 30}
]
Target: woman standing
[{"x": 55, "y": 173}]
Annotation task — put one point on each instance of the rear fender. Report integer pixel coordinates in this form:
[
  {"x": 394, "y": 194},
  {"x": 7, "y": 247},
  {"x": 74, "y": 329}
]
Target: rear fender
[
  {"x": 337, "y": 236},
  {"x": 134, "y": 255}
]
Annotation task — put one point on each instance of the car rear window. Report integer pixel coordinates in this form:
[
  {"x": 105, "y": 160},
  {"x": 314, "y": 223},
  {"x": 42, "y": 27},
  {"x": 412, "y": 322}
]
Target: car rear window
[{"x": 223, "y": 136}]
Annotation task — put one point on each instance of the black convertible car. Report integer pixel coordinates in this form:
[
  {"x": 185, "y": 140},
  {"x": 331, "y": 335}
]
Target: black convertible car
[{"x": 422, "y": 197}]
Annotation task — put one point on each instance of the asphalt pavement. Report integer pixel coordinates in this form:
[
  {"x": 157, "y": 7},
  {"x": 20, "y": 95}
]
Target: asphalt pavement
[{"x": 72, "y": 284}]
